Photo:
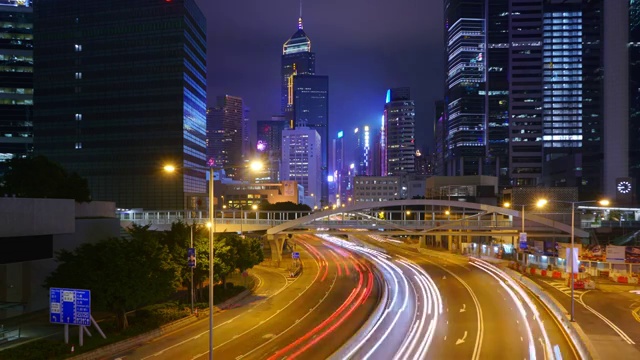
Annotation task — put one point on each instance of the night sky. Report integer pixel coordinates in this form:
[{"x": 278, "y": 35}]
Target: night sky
[{"x": 364, "y": 46}]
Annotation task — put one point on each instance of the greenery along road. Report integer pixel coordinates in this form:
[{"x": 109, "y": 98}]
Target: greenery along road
[{"x": 125, "y": 274}]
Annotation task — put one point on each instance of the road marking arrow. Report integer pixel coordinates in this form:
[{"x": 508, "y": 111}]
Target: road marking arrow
[
  {"x": 464, "y": 308},
  {"x": 460, "y": 341}
]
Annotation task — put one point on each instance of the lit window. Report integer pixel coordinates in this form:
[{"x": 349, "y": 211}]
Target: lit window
[
  {"x": 78, "y": 48},
  {"x": 78, "y": 117}
]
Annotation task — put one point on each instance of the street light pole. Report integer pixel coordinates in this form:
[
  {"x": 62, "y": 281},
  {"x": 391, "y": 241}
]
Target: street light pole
[
  {"x": 191, "y": 271},
  {"x": 212, "y": 230}
]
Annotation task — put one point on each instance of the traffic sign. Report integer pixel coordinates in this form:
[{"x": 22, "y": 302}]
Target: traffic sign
[
  {"x": 191, "y": 257},
  {"x": 295, "y": 255},
  {"x": 70, "y": 306},
  {"x": 523, "y": 240}
]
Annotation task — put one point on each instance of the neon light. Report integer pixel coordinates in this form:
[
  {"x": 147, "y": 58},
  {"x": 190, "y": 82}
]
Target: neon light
[
  {"x": 340, "y": 134},
  {"x": 388, "y": 96}
]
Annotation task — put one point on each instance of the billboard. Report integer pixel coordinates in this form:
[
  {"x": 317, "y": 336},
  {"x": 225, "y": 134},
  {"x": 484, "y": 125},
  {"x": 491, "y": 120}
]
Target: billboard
[
  {"x": 632, "y": 254},
  {"x": 616, "y": 254}
]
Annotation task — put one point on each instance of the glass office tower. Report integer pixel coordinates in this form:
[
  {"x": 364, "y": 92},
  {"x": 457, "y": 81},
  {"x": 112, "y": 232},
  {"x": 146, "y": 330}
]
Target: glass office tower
[
  {"x": 120, "y": 91},
  {"x": 297, "y": 59},
  {"x": 16, "y": 80}
]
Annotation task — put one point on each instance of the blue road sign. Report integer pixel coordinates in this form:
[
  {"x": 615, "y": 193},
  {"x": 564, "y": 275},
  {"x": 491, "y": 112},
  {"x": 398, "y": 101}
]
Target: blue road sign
[
  {"x": 191, "y": 257},
  {"x": 295, "y": 255},
  {"x": 70, "y": 306}
]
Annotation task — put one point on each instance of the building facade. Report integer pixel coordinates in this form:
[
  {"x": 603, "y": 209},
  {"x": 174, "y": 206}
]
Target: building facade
[
  {"x": 269, "y": 147},
  {"x": 297, "y": 59},
  {"x": 376, "y": 188},
  {"x": 399, "y": 128},
  {"x": 16, "y": 80},
  {"x": 302, "y": 161},
  {"x": 226, "y": 125},
  {"x": 311, "y": 109},
  {"x": 117, "y": 95}
]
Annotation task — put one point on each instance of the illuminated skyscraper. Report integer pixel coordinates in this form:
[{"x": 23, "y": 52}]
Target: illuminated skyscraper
[
  {"x": 120, "y": 90},
  {"x": 301, "y": 161},
  {"x": 399, "y": 125},
  {"x": 16, "y": 80},
  {"x": 228, "y": 116},
  {"x": 297, "y": 59},
  {"x": 269, "y": 146}
]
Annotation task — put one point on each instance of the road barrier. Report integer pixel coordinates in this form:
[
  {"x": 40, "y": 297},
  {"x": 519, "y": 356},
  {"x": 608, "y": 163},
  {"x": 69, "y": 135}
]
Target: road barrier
[{"x": 577, "y": 336}]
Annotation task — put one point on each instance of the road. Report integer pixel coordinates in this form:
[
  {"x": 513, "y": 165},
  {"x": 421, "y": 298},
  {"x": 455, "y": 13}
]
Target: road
[
  {"x": 605, "y": 314},
  {"x": 484, "y": 315},
  {"x": 314, "y": 313}
]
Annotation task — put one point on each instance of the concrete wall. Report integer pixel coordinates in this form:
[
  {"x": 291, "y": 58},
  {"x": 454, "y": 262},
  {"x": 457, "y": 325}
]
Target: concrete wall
[{"x": 24, "y": 217}]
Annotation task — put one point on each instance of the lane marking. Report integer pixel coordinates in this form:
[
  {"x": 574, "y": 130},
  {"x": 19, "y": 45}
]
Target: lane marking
[
  {"x": 464, "y": 308},
  {"x": 460, "y": 341}
]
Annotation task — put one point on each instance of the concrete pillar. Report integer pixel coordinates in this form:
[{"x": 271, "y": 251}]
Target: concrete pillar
[
  {"x": 422, "y": 241},
  {"x": 276, "y": 243},
  {"x": 450, "y": 243}
]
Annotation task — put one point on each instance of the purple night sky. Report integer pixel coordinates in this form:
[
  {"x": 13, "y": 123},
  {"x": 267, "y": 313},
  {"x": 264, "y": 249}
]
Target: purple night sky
[{"x": 363, "y": 46}]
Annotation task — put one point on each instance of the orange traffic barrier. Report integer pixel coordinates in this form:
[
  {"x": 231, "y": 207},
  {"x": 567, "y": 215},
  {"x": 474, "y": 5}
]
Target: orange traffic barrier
[
  {"x": 532, "y": 271},
  {"x": 623, "y": 279},
  {"x": 556, "y": 275},
  {"x": 543, "y": 273}
]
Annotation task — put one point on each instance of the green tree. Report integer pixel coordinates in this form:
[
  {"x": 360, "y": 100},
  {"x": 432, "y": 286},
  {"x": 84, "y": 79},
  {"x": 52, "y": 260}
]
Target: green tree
[
  {"x": 39, "y": 177},
  {"x": 122, "y": 274}
]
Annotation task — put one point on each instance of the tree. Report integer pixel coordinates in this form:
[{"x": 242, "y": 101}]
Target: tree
[
  {"x": 122, "y": 274},
  {"x": 39, "y": 177}
]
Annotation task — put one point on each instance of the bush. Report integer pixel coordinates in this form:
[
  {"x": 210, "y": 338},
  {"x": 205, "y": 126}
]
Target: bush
[
  {"x": 39, "y": 349},
  {"x": 230, "y": 285}
]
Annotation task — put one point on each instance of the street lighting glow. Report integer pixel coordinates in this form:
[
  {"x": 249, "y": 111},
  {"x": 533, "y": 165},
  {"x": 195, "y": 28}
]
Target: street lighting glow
[
  {"x": 507, "y": 204},
  {"x": 254, "y": 207},
  {"x": 447, "y": 212},
  {"x": 209, "y": 224},
  {"x": 604, "y": 202},
  {"x": 169, "y": 168},
  {"x": 542, "y": 202},
  {"x": 256, "y": 165},
  {"x": 408, "y": 212}
]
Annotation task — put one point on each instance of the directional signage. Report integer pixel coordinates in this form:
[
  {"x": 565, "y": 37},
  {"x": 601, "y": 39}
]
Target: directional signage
[
  {"x": 70, "y": 306},
  {"x": 191, "y": 257},
  {"x": 295, "y": 255}
]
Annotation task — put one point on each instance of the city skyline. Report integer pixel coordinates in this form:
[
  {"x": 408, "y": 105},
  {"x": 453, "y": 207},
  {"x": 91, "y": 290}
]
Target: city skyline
[{"x": 363, "y": 58}]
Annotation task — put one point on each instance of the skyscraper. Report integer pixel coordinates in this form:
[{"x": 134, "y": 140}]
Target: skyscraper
[
  {"x": 269, "y": 146},
  {"x": 16, "y": 80},
  {"x": 301, "y": 161},
  {"x": 120, "y": 90},
  {"x": 399, "y": 125},
  {"x": 297, "y": 59},
  {"x": 228, "y": 116},
  {"x": 504, "y": 117},
  {"x": 634, "y": 90}
]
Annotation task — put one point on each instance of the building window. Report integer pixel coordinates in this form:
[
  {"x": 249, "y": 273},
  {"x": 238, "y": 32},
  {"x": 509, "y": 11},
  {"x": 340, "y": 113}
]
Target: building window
[
  {"x": 78, "y": 145},
  {"x": 78, "y": 48},
  {"x": 78, "y": 75},
  {"x": 78, "y": 117}
]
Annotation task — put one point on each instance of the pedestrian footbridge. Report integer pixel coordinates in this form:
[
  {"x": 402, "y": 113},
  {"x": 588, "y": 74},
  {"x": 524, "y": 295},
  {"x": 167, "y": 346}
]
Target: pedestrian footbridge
[{"x": 434, "y": 221}]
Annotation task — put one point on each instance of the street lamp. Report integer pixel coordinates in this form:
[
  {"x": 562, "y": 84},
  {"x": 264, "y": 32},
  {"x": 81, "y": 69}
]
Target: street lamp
[
  {"x": 602, "y": 202},
  {"x": 255, "y": 166}
]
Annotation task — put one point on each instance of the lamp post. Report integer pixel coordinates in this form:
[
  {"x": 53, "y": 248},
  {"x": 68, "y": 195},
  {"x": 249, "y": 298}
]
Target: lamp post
[
  {"x": 540, "y": 203},
  {"x": 602, "y": 202},
  {"x": 212, "y": 229}
]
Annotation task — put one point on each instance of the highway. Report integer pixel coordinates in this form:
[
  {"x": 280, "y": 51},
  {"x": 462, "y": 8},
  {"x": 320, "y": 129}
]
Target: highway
[
  {"x": 485, "y": 316},
  {"x": 314, "y": 313}
]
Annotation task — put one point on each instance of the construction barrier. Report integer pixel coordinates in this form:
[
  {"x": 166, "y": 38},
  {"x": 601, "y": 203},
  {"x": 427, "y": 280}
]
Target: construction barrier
[
  {"x": 532, "y": 271},
  {"x": 623, "y": 279},
  {"x": 556, "y": 275},
  {"x": 543, "y": 273}
]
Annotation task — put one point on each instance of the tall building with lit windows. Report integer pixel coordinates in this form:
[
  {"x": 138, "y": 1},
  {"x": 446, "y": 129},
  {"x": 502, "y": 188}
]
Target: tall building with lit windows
[
  {"x": 399, "y": 127},
  {"x": 120, "y": 90},
  {"x": 634, "y": 90},
  {"x": 533, "y": 92},
  {"x": 16, "y": 80},
  {"x": 225, "y": 129},
  {"x": 302, "y": 161},
  {"x": 297, "y": 59}
]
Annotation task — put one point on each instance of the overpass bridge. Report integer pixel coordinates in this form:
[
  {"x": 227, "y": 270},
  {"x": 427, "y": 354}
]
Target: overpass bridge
[{"x": 434, "y": 221}]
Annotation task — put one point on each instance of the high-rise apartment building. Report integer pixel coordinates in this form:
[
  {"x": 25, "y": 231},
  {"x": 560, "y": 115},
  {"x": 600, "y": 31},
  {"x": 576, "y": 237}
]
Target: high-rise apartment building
[
  {"x": 297, "y": 59},
  {"x": 226, "y": 126},
  {"x": 117, "y": 95},
  {"x": 301, "y": 161},
  {"x": 16, "y": 80},
  {"x": 363, "y": 151},
  {"x": 399, "y": 130}
]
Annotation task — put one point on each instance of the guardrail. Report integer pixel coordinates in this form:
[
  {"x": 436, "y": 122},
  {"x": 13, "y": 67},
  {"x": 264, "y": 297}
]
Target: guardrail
[{"x": 9, "y": 334}]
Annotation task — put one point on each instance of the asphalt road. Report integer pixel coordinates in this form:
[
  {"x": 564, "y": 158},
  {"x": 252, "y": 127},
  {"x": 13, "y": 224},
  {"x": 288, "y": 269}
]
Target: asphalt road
[
  {"x": 483, "y": 317},
  {"x": 605, "y": 315},
  {"x": 311, "y": 315}
]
